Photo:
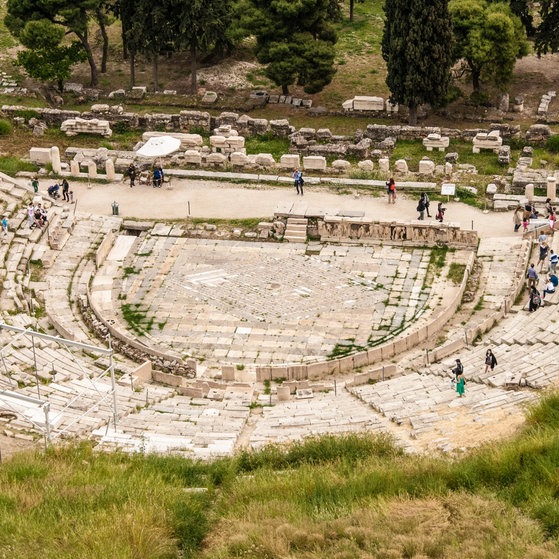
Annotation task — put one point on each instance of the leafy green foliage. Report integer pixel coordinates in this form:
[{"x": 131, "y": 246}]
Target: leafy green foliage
[
  {"x": 45, "y": 58},
  {"x": 5, "y": 127},
  {"x": 547, "y": 32},
  {"x": 295, "y": 39},
  {"x": 417, "y": 47},
  {"x": 489, "y": 39},
  {"x": 73, "y": 15},
  {"x": 552, "y": 143}
]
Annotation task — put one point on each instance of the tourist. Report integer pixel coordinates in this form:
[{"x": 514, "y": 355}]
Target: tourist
[
  {"x": 460, "y": 384},
  {"x": 549, "y": 288},
  {"x": 5, "y": 224},
  {"x": 426, "y": 202},
  {"x": 440, "y": 212},
  {"x": 297, "y": 175},
  {"x": 458, "y": 369},
  {"x": 490, "y": 360},
  {"x": 38, "y": 216},
  {"x": 30, "y": 215},
  {"x": 131, "y": 172},
  {"x": 516, "y": 218},
  {"x": 421, "y": 208},
  {"x": 535, "y": 299},
  {"x": 35, "y": 184},
  {"x": 158, "y": 175},
  {"x": 553, "y": 261},
  {"x": 554, "y": 279},
  {"x": 526, "y": 213},
  {"x": 552, "y": 219},
  {"x": 532, "y": 276},
  {"x": 65, "y": 190},
  {"x": 544, "y": 249},
  {"x": 548, "y": 207},
  {"x": 391, "y": 191}
]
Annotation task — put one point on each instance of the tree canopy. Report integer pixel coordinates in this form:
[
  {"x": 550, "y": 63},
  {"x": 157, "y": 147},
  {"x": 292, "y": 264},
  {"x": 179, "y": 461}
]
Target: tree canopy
[
  {"x": 294, "y": 39},
  {"x": 547, "y": 33},
  {"x": 417, "y": 47},
  {"x": 489, "y": 39},
  {"x": 44, "y": 57},
  {"x": 73, "y": 15}
]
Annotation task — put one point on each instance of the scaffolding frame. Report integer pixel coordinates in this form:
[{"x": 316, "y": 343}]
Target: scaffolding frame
[{"x": 8, "y": 394}]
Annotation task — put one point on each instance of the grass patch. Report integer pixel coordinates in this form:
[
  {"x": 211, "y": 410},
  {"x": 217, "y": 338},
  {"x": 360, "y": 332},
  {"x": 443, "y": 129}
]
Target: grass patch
[
  {"x": 247, "y": 223},
  {"x": 13, "y": 165},
  {"x": 267, "y": 143},
  {"x": 456, "y": 273},
  {"x": 136, "y": 318},
  {"x": 333, "y": 497}
]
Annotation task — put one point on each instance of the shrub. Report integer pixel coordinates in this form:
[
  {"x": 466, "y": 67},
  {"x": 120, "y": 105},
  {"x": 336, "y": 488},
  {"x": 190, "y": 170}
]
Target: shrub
[
  {"x": 553, "y": 143},
  {"x": 5, "y": 127}
]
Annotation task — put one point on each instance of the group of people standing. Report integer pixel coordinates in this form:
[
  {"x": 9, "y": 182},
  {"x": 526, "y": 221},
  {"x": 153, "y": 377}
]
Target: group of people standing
[
  {"x": 537, "y": 299},
  {"x": 459, "y": 381},
  {"x": 157, "y": 175},
  {"x": 523, "y": 214},
  {"x": 423, "y": 206}
]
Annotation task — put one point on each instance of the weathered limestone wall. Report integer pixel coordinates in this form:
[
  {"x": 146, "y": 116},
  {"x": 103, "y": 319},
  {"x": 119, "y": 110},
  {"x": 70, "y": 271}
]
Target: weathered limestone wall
[{"x": 347, "y": 230}]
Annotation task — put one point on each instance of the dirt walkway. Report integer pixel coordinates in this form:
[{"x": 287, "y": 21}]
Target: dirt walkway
[{"x": 214, "y": 199}]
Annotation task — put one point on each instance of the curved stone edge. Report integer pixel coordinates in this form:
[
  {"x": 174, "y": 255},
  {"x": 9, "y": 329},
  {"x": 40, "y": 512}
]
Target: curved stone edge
[
  {"x": 365, "y": 358},
  {"x": 470, "y": 334}
]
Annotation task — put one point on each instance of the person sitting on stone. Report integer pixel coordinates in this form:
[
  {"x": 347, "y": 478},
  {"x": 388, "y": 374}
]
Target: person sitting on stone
[{"x": 549, "y": 288}]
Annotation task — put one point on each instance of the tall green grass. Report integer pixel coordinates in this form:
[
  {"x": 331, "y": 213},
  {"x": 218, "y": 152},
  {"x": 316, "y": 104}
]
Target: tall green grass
[{"x": 355, "y": 496}]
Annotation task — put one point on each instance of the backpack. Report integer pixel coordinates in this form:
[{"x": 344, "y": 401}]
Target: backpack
[{"x": 392, "y": 187}]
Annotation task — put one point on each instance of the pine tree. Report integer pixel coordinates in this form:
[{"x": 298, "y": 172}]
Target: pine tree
[
  {"x": 547, "y": 33},
  {"x": 417, "y": 47},
  {"x": 294, "y": 39}
]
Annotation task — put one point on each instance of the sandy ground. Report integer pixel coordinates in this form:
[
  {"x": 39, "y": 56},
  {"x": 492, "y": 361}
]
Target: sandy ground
[{"x": 207, "y": 199}]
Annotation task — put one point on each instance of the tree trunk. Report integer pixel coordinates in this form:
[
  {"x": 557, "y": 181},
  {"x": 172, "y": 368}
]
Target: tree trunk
[
  {"x": 89, "y": 53},
  {"x": 125, "y": 52},
  {"x": 103, "y": 29},
  {"x": 155, "y": 71},
  {"x": 132, "y": 69},
  {"x": 351, "y": 10},
  {"x": 193, "y": 70},
  {"x": 285, "y": 89},
  {"x": 412, "y": 117},
  {"x": 476, "y": 81}
]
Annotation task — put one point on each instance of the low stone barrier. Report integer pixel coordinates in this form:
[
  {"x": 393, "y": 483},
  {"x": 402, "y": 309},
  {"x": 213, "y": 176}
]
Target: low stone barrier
[
  {"x": 414, "y": 233},
  {"x": 374, "y": 355}
]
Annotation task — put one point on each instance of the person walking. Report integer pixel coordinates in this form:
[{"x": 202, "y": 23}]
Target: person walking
[
  {"x": 490, "y": 360},
  {"x": 460, "y": 384},
  {"x": 301, "y": 182},
  {"x": 440, "y": 212},
  {"x": 296, "y": 179},
  {"x": 535, "y": 299},
  {"x": 5, "y": 225},
  {"x": 553, "y": 261},
  {"x": 65, "y": 190},
  {"x": 421, "y": 208},
  {"x": 544, "y": 249},
  {"x": 517, "y": 218},
  {"x": 391, "y": 191},
  {"x": 426, "y": 203},
  {"x": 35, "y": 184},
  {"x": 532, "y": 276},
  {"x": 131, "y": 172}
]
